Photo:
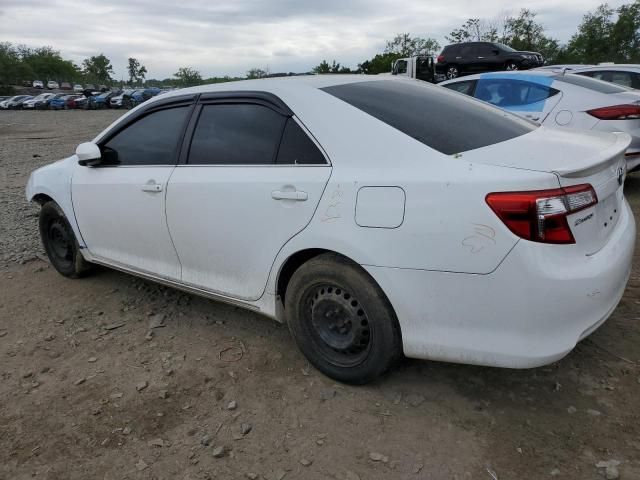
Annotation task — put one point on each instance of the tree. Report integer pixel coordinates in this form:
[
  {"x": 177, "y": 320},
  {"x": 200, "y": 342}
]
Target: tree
[
  {"x": 257, "y": 73},
  {"x": 136, "y": 70},
  {"x": 404, "y": 45},
  {"x": 592, "y": 42},
  {"x": 475, "y": 30},
  {"x": 524, "y": 33},
  {"x": 98, "y": 69},
  {"x": 187, "y": 77},
  {"x": 324, "y": 67},
  {"x": 625, "y": 34}
]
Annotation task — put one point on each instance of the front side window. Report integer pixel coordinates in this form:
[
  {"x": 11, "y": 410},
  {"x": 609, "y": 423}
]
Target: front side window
[
  {"x": 151, "y": 140},
  {"x": 236, "y": 134},
  {"x": 401, "y": 67}
]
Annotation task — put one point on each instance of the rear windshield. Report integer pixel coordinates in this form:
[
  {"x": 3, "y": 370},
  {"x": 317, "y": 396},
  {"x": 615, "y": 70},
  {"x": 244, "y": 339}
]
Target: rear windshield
[
  {"x": 591, "y": 83},
  {"x": 443, "y": 120}
]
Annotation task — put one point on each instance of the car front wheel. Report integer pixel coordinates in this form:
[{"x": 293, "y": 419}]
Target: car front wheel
[
  {"x": 341, "y": 320},
  {"x": 511, "y": 66},
  {"x": 453, "y": 72},
  {"x": 60, "y": 242}
]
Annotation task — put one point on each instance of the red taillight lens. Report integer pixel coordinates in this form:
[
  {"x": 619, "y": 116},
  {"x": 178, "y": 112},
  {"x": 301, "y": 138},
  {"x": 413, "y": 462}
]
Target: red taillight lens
[
  {"x": 440, "y": 59},
  {"x": 541, "y": 215},
  {"x": 616, "y": 112}
]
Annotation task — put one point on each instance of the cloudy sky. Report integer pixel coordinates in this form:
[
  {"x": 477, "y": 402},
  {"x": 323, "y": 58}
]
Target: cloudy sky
[{"x": 229, "y": 37}]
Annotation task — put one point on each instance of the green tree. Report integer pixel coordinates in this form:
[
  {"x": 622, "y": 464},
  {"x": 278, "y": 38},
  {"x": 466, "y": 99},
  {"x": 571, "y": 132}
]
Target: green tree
[
  {"x": 524, "y": 33},
  {"x": 324, "y": 67},
  {"x": 474, "y": 30},
  {"x": 625, "y": 34},
  {"x": 381, "y": 63},
  {"x": 97, "y": 69},
  {"x": 404, "y": 45},
  {"x": 137, "y": 71},
  {"x": 593, "y": 41},
  {"x": 187, "y": 77},
  {"x": 257, "y": 73}
]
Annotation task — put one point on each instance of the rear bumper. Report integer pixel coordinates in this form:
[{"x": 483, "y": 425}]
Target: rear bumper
[{"x": 531, "y": 311}]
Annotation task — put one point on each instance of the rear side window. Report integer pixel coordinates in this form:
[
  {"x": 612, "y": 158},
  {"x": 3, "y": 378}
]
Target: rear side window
[
  {"x": 465, "y": 87},
  {"x": 590, "y": 83},
  {"x": 436, "y": 117},
  {"x": 236, "y": 134},
  {"x": 512, "y": 93},
  {"x": 152, "y": 140},
  {"x": 297, "y": 148}
]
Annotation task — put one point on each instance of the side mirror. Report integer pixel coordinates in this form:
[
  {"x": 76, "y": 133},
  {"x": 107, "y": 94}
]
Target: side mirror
[{"x": 88, "y": 154}]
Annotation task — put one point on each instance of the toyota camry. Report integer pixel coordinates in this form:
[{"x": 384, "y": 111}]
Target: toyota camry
[{"x": 377, "y": 217}]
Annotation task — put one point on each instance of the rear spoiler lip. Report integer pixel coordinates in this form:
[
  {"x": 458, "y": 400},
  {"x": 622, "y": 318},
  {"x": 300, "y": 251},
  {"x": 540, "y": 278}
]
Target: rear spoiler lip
[{"x": 610, "y": 155}]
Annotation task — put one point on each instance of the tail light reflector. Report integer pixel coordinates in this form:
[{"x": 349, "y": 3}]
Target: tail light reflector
[
  {"x": 616, "y": 112},
  {"x": 541, "y": 215},
  {"x": 440, "y": 59}
]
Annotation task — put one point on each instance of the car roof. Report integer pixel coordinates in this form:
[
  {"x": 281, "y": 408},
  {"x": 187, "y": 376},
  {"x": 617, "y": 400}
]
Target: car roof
[
  {"x": 535, "y": 76},
  {"x": 613, "y": 66}
]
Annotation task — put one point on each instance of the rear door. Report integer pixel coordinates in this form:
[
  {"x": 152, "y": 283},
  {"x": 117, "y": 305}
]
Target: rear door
[{"x": 250, "y": 180}]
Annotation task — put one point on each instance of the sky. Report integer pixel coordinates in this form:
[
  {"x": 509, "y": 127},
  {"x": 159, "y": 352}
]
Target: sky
[{"x": 229, "y": 37}]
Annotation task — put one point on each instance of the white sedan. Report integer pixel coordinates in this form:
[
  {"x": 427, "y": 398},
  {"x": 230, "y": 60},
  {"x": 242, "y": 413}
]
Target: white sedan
[
  {"x": 559, "y": 99},
  {"x": 375, "y": 216}
]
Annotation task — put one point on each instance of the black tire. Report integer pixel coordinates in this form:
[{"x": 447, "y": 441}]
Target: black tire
[
  {"x": 511, "y": 66},
  {"x": 60, "y": 242},
  {"x": 453, "y": 71},
  {"x": 341, "y": 320}
]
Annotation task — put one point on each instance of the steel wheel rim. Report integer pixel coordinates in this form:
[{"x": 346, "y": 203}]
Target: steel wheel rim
[
  {"x": 60, "y": 243},
  {"x": 338, "y": 325}
]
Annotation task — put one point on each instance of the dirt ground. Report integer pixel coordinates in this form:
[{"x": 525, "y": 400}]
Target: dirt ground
[{"x": 87, "y": 393}]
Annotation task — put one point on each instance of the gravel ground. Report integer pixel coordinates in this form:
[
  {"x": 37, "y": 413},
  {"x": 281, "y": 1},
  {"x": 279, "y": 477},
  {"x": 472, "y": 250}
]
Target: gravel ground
[{"x": 88, "y": 389}]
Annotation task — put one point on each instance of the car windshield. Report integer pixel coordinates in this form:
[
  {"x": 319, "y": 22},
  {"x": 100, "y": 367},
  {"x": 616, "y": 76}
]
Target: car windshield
[
  {"x": 591, "y": 83},
  {"x": 504, "y": 47},
  {"x": 443, "y": 120}
]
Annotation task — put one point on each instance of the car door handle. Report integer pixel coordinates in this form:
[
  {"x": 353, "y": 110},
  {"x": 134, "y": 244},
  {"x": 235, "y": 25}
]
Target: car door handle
[
  {"x": 152, "y": 187},
  {"x": 295, "y": 195},
  {"x": 531, "y": 117}
]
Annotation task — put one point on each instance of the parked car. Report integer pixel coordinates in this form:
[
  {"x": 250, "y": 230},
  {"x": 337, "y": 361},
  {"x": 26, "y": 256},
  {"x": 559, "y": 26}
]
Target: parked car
[
  {"x": 90, "y": 86},
  {"x": 103, "y": 88},
  {"x": 62, "y": 102},
  {"x": 420, "y": 67},
  {"x": 37, "y": 84},
  {"x": 80, "y": 101},
  {"x": 65, "y": 86},
  {"x": 4, "y": 104},
  {"x": 474, "y": 57},
  {"x": 116, "y": 100},
  {"x": 566, "y": 67},
  {"x": 104, "y": 99},
  {"x": 3, "y": 98},
  {"x": 52, "y": 85},
  {"x": 565, "y": 100},
  {"x": 15, "y": 103},
  {"x": 625, "y": 75},
  {"x": 78, "y": 88},
  {"x": 466, "y": 234},
  {"x": 37, "y": 102}
]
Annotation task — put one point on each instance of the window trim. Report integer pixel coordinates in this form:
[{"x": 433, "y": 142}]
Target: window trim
[
  {"x": 264, "y": 99},
  {"x": 167, "y": 104}
]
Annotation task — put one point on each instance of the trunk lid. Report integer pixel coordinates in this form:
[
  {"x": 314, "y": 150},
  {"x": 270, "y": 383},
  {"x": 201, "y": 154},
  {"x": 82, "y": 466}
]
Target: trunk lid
[{"x": 575, "y": 158}]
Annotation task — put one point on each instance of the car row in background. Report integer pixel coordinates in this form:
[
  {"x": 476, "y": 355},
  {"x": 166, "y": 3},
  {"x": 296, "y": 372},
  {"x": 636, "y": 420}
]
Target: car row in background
[
  {"x": 88, "y": 99},
  {"x": 53, "y": 85},
  {"x": 561, "y": 99}
]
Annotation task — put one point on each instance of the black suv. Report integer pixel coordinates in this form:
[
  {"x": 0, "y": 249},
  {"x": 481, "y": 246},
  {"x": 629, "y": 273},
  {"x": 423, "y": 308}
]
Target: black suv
[{"x": 477, "y": 57}]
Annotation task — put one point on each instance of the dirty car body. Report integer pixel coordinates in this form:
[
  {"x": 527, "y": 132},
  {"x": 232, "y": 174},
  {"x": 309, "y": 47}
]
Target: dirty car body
[{"x": 495, "y": 241}]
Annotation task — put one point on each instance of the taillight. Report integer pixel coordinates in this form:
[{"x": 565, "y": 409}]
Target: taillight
[
  {"x": 541, "y": 215},
  {"x": 440, "y": 59},
  {"x": 616, "y": 112}
]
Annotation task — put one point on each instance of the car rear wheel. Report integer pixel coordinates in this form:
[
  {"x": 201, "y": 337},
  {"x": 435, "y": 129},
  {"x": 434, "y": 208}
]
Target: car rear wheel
[
  {"x": 452, "y": 72},
  {"x": 60, "y": 242},
  {"x": 511, "y": 66},
  {"x": 341, "y": 320}
]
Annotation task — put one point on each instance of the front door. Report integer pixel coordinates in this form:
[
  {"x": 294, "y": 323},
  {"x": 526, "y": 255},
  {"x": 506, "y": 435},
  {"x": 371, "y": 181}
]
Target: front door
[
  {"x": 120, "y": 204},
  {"x": 252, "y": 180}
]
